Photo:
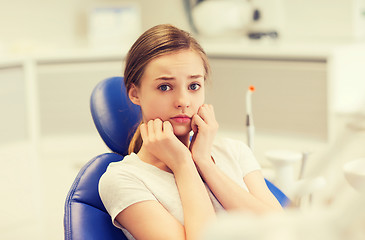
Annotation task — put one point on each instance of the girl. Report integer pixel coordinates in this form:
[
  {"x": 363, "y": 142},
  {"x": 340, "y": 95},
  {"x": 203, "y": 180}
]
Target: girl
[{"x": 169, "y": 187}]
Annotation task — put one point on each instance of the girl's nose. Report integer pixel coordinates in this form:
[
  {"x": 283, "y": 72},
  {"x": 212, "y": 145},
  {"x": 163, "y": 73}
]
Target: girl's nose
[{"x": 182, "y": 100}]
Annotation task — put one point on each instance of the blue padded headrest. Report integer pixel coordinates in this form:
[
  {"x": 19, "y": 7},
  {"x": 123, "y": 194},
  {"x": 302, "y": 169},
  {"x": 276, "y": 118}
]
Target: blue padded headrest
[{"x": 114, "y": 115}]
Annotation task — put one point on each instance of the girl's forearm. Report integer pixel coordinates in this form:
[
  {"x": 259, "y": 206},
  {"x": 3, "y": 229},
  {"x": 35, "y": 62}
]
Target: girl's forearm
[
  {"x": 230, "y": 194},
  {"x": 197, "y": 206}
]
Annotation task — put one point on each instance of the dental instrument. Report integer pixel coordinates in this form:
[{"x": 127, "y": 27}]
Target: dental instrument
[{"x": 249, "y": 119}]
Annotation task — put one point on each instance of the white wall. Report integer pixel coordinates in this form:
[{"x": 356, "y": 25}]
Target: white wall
[
  {"x": 322, "y": 19},
  {"x": 33, "y": 21},
  {"x": 24, "y": 24},
  {"x": 39, "y": 22}
]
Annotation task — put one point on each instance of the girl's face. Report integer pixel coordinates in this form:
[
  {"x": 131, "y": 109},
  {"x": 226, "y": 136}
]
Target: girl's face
[{"x": 172, "y": 89}]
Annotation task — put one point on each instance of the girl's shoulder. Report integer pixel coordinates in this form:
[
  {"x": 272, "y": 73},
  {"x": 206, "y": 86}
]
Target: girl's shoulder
[
  {"x": 234, "y": 152},
  {"x": 132, "y": 167},
  {"x": 234, "y": 146},
  {"x": 128, "y": 160},
  {"x": 127, "y": 167}
]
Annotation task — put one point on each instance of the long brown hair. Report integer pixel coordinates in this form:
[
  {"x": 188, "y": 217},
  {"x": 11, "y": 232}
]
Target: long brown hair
[{"x": 155, "y": 42}]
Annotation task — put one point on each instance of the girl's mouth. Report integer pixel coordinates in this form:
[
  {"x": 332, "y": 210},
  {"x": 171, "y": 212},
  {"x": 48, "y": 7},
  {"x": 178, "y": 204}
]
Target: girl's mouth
[{"x": 181, "y": 119}]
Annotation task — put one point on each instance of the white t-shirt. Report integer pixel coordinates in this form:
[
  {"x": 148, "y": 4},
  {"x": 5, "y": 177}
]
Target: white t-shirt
[{"x": 132, "y": 180}]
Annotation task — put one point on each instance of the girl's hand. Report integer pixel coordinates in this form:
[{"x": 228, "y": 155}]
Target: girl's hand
[
  {"x": 204, "y": 126},
  {"x": 160, "y": 140}
]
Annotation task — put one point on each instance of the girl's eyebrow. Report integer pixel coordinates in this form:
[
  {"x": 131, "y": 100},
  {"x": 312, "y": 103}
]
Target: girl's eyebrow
[
  {"x": 168, "y": 78},
  {"x": 196, "y": 76},
  {"x": 165, "y": 78}
]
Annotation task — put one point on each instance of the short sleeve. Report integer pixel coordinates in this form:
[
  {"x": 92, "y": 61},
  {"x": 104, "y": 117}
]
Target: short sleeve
[
  {"x": 237, "y": 158},
  {"x": 247, "y": 160},
  {"x": 119, "y": 190}
]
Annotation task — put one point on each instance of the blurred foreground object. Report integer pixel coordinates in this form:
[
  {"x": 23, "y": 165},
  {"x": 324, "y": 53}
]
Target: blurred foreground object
[
  {"x": 283, "y": 162},
  {"x": 338, "y": 221},
  {"x": 355, "y": 174}
]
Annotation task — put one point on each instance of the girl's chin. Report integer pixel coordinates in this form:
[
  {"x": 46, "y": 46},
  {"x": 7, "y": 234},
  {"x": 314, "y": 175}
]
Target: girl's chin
[{"x": 181, "y": 131}]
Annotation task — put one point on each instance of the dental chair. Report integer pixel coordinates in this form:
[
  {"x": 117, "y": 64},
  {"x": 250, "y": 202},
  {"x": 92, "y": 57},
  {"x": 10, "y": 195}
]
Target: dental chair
[{"x": 114, "y": 116}]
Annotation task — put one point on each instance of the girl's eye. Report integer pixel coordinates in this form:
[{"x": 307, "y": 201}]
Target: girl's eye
[
  {"x": 194, "y": 86},
  {"x": 164, "y": 88}
]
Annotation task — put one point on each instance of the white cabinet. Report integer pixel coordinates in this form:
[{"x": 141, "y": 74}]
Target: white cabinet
[
  {"x": 49, "y": 96},
  {"x": 64, "y": 93},
  {"x": 291, "y": 96},
  {"x": 13, "y": 120}
]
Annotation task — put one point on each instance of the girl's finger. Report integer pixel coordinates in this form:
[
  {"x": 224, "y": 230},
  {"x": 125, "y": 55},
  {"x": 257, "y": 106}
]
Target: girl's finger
[
  {"x": 157, "y": 127},
  {"x": 150, "y": 129},
  {"x": 206, "y": 112},
  {"x": 194, "y": 126},
  {"x": 197, "y": 122},
  {"x": 144, "y": 131},
  {"x": 167, "y": 127}
]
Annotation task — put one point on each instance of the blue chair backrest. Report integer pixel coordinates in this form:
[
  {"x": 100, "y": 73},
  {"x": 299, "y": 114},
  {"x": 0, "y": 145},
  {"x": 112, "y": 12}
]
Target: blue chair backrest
[
  {"x": 85, "y": 215},
  {"x": 114, "y": 115}
]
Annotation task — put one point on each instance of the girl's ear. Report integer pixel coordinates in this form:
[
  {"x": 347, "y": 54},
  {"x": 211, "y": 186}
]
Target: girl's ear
[{"x": 133, "y": 94}]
